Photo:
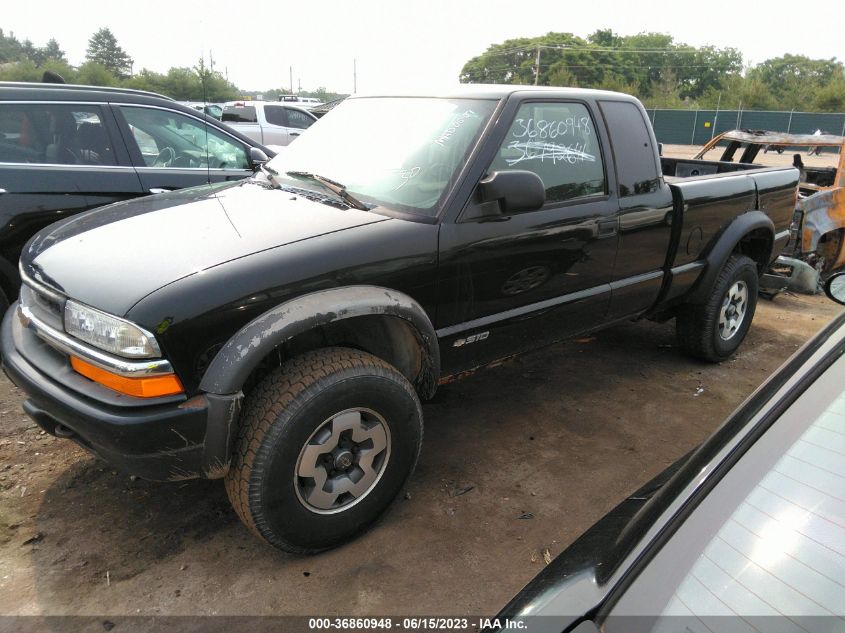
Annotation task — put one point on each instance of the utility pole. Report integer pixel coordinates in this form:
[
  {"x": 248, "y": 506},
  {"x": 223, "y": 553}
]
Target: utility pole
[
  {"x": 354, "y": 76},
  {"x": 537, "y": 67},
  {"x": 291, "y": 79}
]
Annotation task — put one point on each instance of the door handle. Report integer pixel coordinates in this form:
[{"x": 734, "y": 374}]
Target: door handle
[
  {"x": 2, "y": 191},
  {"x": 159, "y": 190},
  {"x": 295, "y": 133},
  {"x": 608, "y": 228}
]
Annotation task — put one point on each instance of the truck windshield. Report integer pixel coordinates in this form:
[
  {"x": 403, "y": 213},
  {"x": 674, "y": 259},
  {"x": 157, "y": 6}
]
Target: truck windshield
[{"x": 401, "y": 153}]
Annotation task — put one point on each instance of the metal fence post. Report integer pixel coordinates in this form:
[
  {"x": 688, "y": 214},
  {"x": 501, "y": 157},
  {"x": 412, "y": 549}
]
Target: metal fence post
[
  {"x": 789, "y": 125},
  {"x": 716, "y": 117},
  {"x": 694, "y": 126}
]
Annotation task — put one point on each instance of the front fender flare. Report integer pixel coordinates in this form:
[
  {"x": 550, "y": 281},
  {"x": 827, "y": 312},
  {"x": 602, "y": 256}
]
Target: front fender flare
[{"x": 242, "y": 353}]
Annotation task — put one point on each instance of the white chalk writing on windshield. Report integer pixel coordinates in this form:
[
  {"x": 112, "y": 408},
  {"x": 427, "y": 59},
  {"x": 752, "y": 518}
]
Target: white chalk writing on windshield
[
  {"x": 542, "y": 151},
  {"x": 453, "y": 127},
  {"x": 405, "y": 175}
]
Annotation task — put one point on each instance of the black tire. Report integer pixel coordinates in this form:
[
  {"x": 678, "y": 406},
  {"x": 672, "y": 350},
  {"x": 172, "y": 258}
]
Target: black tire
[
  {"x": 698, "y": 326},
  {"x": 281, "y": 419},
  {"x": 4, "y": 303}
]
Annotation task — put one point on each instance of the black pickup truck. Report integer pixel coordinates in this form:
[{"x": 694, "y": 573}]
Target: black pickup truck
[{"x": 280, "y": 332}]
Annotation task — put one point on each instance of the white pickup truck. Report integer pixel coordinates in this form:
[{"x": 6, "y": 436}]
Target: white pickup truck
[{"x": 267, "y": 122}]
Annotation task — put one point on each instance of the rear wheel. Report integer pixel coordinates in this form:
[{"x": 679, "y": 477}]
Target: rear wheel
[
  {"x": 326, "y": 442},
  {"x": 713, "y": 331},
  {"x": 4, "y": 303}
]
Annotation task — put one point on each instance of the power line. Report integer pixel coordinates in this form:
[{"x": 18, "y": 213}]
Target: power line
[
  {"x": 593, "y": 49},
  {"x": 496, "y": 69}
]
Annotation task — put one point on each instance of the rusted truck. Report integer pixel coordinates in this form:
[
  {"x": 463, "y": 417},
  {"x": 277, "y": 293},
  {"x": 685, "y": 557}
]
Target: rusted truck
[{"x": 815, "y": 248}]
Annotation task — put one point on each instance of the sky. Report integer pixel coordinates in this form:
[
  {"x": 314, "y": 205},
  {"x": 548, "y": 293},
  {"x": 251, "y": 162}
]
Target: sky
[{"x": 399, "y": 45}]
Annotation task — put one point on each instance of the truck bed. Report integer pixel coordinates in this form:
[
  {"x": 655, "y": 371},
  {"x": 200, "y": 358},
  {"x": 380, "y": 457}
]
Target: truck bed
[
  {"x": 689, "y": 167},
  {"x": 708, "y": 195}
]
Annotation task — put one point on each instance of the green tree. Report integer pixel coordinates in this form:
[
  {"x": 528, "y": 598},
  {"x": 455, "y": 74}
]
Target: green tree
[
  {"x": 212, "y": 85},
  {"x": 831, "y": 97},
  {"x": 664, "y": 92},
  {"x": 24, "y": 70},
  {"x": 10, "y": 48},
  {"x": 641, "y": 63},
  {"x": 146, "y": 80},
  {"x": 53, "y": 51},
  {"x": 514, "y": 61},
  {"x": 96, "y": 74},
  {"x": 795, "y": 79},
  {"x": 104, "y": 50}
]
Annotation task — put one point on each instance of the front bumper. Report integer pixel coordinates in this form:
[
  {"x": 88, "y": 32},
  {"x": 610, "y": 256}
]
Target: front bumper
[{"x": 170, "y": 439}]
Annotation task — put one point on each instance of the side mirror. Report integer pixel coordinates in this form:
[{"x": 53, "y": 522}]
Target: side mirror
[
  {"x": 515, "y": 191},
  {"x": 835, "y": 287},
  {"x": 257, "y": 157}
]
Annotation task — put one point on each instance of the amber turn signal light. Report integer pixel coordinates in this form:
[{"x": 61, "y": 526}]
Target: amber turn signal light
[{"x": 143, "y": 387}]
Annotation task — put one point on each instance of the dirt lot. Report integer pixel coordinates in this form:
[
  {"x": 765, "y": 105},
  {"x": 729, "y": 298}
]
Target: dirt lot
[
  {"x": 559, "y": 436},
  {"x": 563, "y": 434}
]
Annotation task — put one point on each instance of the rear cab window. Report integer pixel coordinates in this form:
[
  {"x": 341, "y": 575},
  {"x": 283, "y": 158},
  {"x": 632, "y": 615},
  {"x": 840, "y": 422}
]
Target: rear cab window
[
  {"x": 632, "y": 145},
  {"x": 239, "y": 114}
]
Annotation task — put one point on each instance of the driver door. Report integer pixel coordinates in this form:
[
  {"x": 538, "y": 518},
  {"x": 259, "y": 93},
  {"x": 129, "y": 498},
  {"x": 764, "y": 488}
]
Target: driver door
[
  {"x": 513, "y": 282},
  {"x": 171, "y": 150}
]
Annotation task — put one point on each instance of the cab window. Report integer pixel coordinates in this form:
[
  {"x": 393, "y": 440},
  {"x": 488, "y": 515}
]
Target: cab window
[
  {"x": 299, "y": 120},
  {"x": 557, "y": 141},
  {"x": 275, "y": 115}
]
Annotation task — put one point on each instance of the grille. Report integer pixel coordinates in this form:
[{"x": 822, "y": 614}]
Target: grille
[{"x": 43, "y": 307}]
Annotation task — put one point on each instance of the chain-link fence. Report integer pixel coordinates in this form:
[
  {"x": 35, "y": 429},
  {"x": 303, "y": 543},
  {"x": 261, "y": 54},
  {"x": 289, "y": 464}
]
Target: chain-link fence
[{"x": 696, "y": 127}]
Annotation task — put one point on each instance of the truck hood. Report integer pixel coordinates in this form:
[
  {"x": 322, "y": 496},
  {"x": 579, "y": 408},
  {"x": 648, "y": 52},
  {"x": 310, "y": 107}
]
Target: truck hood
[{"x": 112, "y": 257}]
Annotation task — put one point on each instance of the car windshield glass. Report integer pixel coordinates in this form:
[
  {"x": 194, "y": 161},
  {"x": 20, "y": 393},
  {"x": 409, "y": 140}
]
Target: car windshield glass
[
  {"x": 401, "y": 153},
  {"x": 765, "y": 550}
]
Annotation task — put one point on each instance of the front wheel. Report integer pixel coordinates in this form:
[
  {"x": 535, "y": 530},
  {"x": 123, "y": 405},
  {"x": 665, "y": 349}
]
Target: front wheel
[
  {"x": 326, "y": 442},
  {"x": 713, "y": 331}
]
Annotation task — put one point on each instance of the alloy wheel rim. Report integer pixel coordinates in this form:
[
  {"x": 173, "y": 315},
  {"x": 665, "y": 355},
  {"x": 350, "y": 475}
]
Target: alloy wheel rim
[
  {"x": 342, "y": 461},
  {"x": 733, "y": 311}
]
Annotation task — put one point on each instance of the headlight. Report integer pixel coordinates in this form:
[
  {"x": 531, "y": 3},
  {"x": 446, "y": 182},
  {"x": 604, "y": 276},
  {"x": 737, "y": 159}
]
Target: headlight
[{"x": 109, "y": 333}]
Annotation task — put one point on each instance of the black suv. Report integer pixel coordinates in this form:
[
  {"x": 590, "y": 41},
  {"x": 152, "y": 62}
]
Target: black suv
[{"x": 66, "y": 148}]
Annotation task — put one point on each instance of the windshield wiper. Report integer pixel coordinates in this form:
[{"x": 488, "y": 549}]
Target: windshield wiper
[
  {"x": 335, "y": 187},
  {"x": 271, "y": 174}
]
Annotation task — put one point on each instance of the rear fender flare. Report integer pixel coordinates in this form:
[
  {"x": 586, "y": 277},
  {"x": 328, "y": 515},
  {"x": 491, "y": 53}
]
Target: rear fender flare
[{"x": 725, "y": 245}]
